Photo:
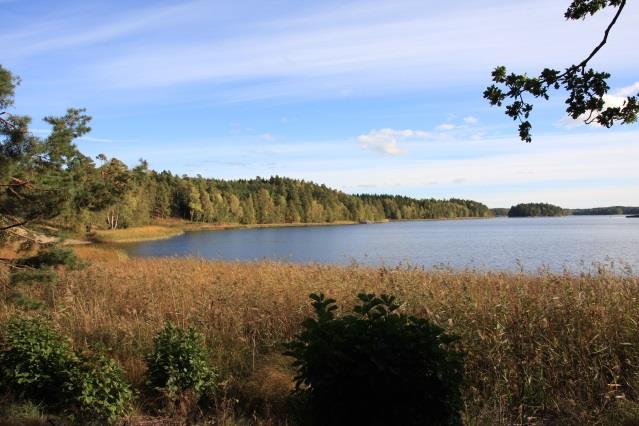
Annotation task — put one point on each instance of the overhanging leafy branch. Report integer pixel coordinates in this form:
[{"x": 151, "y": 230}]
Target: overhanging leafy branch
[{"x": 585, "y": 86}]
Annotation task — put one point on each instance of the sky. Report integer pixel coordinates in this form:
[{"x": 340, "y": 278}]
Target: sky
[{"x": 363, "y": 96}]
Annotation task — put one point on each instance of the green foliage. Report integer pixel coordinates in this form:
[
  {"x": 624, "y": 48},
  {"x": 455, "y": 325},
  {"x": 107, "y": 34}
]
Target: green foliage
[
  {"x": 585, "y": 86},
  {"x": 579, "y": 9},
  {"x": 536, "y": 209},
  {"x": 500, "y": 211},
  {"x": 8, "y": 83},
  {"x": 39, "y": 270},
  {"x": 52, "y": 257},
  {"x": 376, "y": 366},
  {"x": 179, "y": 362},
  {"x": 97, "y": 390},
  {"x": 35, "y": 361},
  {"x": 37, "y": 175},
  {"x": 38, "y": 365}
]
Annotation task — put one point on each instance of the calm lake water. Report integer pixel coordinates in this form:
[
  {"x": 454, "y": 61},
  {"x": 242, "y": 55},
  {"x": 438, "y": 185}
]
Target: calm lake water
[{"x": 573, "y": 242}]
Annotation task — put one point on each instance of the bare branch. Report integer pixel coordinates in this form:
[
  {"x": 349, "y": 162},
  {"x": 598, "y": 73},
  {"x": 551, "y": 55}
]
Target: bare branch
[
  {"x": 14, "y": 225},
  {"x": 583, "y": 63}
]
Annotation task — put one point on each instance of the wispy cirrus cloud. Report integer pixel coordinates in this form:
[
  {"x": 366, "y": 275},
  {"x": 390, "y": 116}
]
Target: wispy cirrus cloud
[
  {"x": 308, "y": 50},
  {"x": 83, "y": 28},
  {"x": 327, "y": 51}
]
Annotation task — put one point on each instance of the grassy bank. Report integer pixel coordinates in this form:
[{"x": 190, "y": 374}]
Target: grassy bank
[
  {"x": 560, "y": 349},
  {"x": 171, "y": 228},
  {"x": 139, "y": 233},
  {"x": 191, "y": 226}
]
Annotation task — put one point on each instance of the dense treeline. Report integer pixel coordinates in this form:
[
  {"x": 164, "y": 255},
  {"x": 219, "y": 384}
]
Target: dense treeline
[
  {"x": 115, "y": 196},
  {"x": 606, "y": 210},
  {"x": 499, "y": 211},
  {"x": 535, "y": 209},
  {"x": 143, "y": 195}
]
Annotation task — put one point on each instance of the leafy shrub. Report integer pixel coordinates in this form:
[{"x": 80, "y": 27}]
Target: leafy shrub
[
  {"x": 97, "y": 390},
  {"x": 179, "y": 362},
  {"x": 38, "y": 365},
  {"x": 35, "y": 361},
  {"x": 376, "y": 366}
]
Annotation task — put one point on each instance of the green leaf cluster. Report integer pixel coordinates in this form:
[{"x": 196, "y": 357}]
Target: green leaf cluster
[
  {"x": 35, "y": 361},
  {"x": 39, "y": 269},
  {"x": 376, "y": 366},
  {"x": 97, "y": 389},
  {"x": 52, "y": 257},
  {"x": 179, "y": 362},
  {"x": 585, "y": 87},
  {"x": 38, "y": 365},
  {"x": 580, "y": 9}
]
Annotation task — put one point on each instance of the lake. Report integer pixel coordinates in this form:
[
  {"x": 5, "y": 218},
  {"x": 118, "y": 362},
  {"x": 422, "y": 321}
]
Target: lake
[{"x": 574, "y": 242}]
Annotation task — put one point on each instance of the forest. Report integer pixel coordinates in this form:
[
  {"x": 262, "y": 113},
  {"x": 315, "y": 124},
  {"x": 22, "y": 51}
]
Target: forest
[
  {"x": 605, "y": 211},
  {"x": 535, "y": 209},
  {"x": 114, "y": 196}
]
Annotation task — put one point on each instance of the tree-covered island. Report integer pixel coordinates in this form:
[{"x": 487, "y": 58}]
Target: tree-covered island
[{"x": 536, "y": 209}]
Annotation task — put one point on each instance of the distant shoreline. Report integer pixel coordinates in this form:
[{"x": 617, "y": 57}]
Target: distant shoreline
[
  {"x": 170, "y": 229},
  {"x": 164, "y": 230}
]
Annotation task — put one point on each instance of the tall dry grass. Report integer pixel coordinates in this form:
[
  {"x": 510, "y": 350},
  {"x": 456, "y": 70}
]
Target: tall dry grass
[
  {"x": 545, "y": 348},
  {"x": 138, "y": 233}
]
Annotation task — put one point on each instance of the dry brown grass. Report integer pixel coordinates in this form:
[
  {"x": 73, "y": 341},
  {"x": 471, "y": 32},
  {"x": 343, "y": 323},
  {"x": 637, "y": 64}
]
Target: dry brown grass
[
  {"x": 139, "y": 233},
  {"x": 546, "y": 348},
  {"x": 94, "y": 253}
]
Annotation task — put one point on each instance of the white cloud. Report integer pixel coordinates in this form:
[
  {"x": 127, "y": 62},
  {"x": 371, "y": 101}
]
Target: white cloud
[
  {"x": 446, "y": 127},
  {"x": 628, "y": 91},
  {"x": 267, "y": 137},
  {"x": 387, "y": 141},
  {"x": 470, "y": 120}
]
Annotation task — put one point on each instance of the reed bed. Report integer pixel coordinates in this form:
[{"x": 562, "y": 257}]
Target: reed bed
[
  {"x": 540, "y": 348},
  {"x": 139, "y": 233}
]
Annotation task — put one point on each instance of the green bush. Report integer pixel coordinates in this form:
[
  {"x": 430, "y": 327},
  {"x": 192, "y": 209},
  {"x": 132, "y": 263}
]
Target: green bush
[
  {"x": 40, "y": 269},
  {"x": 376, "y": 366},
  {"x": 97, "y": 390},
  {"x": 52, "y": 257},
  {"x": 38, "y": 365},
  {"x": 179, "y": 362},
  {"x": 35, "y": 361}
]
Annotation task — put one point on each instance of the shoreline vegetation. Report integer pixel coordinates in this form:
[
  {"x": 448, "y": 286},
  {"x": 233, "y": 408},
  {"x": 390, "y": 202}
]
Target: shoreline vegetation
[
  {"x": 545, "y": 347},
  {"x": 171, "y": 228},
  {"x": 165, "y": 229}
]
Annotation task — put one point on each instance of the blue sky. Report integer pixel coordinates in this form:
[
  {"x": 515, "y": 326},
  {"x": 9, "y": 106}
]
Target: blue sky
[{"x": 364, "y": 96}]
